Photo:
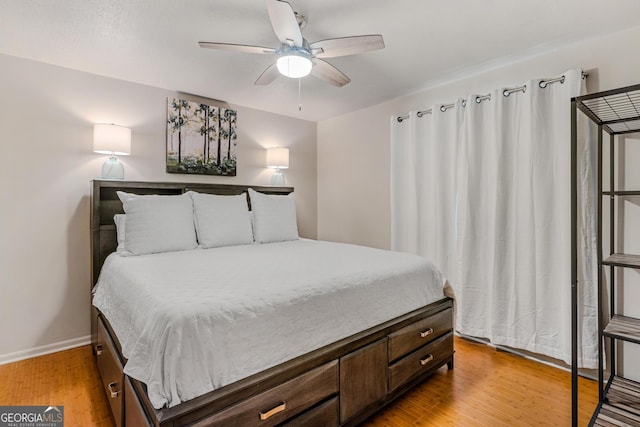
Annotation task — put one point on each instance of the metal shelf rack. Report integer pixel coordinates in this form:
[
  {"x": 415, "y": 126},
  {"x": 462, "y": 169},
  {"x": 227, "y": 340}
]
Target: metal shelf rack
[{"x": 615, "y": 112}]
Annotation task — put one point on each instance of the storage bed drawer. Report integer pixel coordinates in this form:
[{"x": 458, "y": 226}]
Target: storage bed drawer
[
  {"x": 324, "y": 415},
  {"x": 282, "y": 402},
  {"x": 421, "y": 360},
  {"x": 110, "y": 371},
  {"x": 419, "y": 333}
]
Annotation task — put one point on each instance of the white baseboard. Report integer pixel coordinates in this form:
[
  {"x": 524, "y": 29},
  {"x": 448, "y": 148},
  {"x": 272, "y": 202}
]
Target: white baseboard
[{"x": 45, "y": 349}]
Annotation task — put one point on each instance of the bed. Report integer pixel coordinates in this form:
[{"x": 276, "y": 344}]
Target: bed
[{"x": 296, "y": 332}]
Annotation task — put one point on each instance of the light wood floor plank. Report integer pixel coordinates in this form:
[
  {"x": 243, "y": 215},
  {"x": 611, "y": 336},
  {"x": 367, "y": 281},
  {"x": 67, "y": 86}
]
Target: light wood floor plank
[{"x": 486, "y": 388}]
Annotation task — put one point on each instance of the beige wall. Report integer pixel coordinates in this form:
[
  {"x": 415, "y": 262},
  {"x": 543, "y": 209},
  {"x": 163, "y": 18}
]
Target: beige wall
[
  {"x": 353, "y": 150},
  {"x": 46, "y": 117}
]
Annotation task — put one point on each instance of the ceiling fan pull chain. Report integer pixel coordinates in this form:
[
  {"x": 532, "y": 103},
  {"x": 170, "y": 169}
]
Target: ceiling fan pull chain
[{"x": 299, "y": 94}]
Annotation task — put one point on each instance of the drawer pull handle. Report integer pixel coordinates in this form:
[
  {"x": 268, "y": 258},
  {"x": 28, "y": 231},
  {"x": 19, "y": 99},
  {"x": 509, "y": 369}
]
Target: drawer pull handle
[
  {"x": 98, "y": 349},
  {"x": 426, "y": 333},
  {"x": 271, "y": 412},
  {"x": 426, "y": 360},
  {"x": 112, "y": 390}
]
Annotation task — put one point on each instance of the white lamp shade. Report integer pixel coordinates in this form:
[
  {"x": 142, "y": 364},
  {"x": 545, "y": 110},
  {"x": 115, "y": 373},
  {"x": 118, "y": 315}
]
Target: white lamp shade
[
  {"x": 111, "y": 139},
  {"x": 294, "y": 66},
  {"x": 278, "y": 157}
]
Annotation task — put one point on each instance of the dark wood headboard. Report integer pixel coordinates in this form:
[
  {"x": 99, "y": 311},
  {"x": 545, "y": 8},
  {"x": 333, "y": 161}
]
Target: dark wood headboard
[{"x": 105, "y": 204}]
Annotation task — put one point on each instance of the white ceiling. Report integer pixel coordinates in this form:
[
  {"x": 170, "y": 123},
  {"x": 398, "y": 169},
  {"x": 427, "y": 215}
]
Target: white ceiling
[{"x": 155, "y": 42}]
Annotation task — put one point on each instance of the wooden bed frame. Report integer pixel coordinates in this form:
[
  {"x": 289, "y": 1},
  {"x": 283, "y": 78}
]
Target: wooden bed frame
[{"x": 341, "y": 384}]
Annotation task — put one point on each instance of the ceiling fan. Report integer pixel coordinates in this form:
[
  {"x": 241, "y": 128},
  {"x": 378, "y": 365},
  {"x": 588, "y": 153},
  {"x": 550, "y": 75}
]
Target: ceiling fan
[{"x": 297, "y": 57}]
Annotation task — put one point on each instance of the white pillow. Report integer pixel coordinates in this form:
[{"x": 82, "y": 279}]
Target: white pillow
[
  {"x": 120, "y": 220},
  {"x": 158, "y": 223},
  {"x": 221, "y": 220},
  {"x": 274, "y": 217}
]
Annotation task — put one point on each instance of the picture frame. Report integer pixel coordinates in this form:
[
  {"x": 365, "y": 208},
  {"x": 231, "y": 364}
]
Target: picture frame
[{"x": 201, "y": 138}]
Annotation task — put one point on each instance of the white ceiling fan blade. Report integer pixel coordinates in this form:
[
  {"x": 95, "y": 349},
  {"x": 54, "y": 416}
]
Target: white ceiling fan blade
[
  {"x": 237, "y": 47},
  {"x": 268, "y": 75},
  {"x": 284, "y": 22},
  {"x": 343, "y": 46},
  {"x": 330, "y": 74}
]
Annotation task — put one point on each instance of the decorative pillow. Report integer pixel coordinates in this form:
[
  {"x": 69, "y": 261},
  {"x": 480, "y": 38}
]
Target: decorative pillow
[
  {"x": 274, "y": 217},
  {"x": 158, "y": 223},
  {"x": 221, "y": 220},
  {"x": 120, "y": 220}
]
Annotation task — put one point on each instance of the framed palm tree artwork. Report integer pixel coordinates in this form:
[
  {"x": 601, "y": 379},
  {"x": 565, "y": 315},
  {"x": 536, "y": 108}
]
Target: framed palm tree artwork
[{"x": 201, "y": 138}]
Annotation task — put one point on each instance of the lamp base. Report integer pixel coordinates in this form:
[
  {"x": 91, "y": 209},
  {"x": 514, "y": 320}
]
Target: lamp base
[
  {"x": 112, "y": 169},
  {"x": 277, "y": 180}
]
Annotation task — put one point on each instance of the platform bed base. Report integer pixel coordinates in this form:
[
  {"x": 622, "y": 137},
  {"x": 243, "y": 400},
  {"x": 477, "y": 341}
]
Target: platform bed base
[{"x": 341, "y": 384}]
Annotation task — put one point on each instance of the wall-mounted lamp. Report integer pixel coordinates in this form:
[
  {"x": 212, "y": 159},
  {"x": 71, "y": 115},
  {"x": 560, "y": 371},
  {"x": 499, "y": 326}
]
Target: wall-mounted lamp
[
  {"x": 115, "y": 141},
  {"x": 277, "y": 158}
]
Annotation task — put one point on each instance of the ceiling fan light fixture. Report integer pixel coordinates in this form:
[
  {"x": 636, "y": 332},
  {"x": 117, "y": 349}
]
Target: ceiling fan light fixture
[{"x": 294, "y": 65}]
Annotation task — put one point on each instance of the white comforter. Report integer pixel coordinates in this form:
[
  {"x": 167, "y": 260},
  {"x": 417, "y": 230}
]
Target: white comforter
[{"x": 193, "y": 321}]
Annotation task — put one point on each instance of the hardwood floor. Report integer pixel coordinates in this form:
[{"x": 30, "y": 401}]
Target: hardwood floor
[
  {"x": 68, "y": 378},
  {"x": 491, "y": 388},
  {"x": 486, "y": 388}
]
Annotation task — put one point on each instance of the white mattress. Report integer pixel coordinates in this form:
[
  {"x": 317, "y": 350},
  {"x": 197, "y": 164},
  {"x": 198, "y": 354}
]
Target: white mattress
[{"x": 193, "y": 321}]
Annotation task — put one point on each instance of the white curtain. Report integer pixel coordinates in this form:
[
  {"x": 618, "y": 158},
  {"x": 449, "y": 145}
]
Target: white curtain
[
  {"x": 483, "y": 190},
  {"x": 418, "y": 179}
]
